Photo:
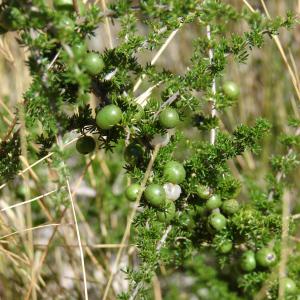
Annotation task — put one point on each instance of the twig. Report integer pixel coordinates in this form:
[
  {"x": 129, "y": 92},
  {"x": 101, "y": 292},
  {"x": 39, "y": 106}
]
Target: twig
[
  {"x": 130, "y": 220},
  {"x": 213, "y": 100},
  {"x": 158, "y": 247}
]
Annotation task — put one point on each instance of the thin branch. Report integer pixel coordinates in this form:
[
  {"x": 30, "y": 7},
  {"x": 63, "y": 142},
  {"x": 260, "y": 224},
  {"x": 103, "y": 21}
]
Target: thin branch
[
  {"x": 214, "y": 90},
  {"x": 130, "y": 220}
]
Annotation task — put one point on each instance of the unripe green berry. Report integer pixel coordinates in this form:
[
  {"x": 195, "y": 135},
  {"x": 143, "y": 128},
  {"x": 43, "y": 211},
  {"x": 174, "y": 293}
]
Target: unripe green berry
[
  {"x": 93, "y": 63},
  {"x": 155, "y": 195},
  {"x": 168, "y": 212},
  {"x": 230, "y": 206},
  {"x": 213, "y": 202},
  {"x": 203, "y": 192},
  {"x": 225, "y": 247},
  {"x": 248, "y": 261},
  {"x": 133, "y": 153},
  {"x": 266, "y": 257},
  {"x": 85, "y": 144},
  {"x": 169, "y": 118},
  {"x": 79, "y": 50},
  {"x": 217, "y": 221},
  {"x": 132, "y": 191},
  {"x": 289, "y": 286},
  {"x": 108, "y": 116},
  {"x": 231, "y": 89},
  {"x": 174, "y": 172}
]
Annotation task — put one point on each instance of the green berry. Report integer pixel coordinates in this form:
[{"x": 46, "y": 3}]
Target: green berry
[
  {"x": 290, "y": 286},
  {"x": 230, "y": 206},
  {"x": 203, "y": 192},
  {"x": 133, "y": 153},
  {"x": 132, "y": 191},
  {"x": 225, "y": 247},
  {"x": 155, "y": 195},
  {"x": 174, "y": 172},
  {"x": 93, "y": 63},
  {"x": 85, "y": 145},
  {"x": 65, "y": 26},
  {"x": 168, "y": 212},
  {"x": 213, "y": 202},
  {"x": 108, "y": 116},
  {"x": 169, "y": 118},
  {"x": 248, "y": 261},
  {"x": 79, "y": 50},
  {"x": 63, "y": 4},
  {"x": 217, "y": 221},
  {"x": 231, "y": 89},
  {"x": 266, "y": 257}
]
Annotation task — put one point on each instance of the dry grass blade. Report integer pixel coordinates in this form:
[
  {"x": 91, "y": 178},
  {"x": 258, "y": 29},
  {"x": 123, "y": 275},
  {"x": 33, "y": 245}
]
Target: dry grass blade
[
  {"x": 79, "y": 242},
  {"x": 28, "y": 229},
  {"x": 28, "y": 201},
  {"x": 156, "y": 57}
]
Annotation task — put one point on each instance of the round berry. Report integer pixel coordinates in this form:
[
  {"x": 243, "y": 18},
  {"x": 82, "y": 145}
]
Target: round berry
[
  {"x": 85, "y": 145},
  {"x": 133, "y": 153},
  {"x": 174, "y": 172},
  {"x": 217, "y": 221},
  {"x": 248, "y": 261},
  {"x": 289, "y": 286},
  {"x": 203, "y": 192},
  {"x": 63, "y": 4},
  {"x": 65, "y": 27},
  {"x": 231, "y": 89},
  {"x": 79, "y": 50},
  {"x": 155, "y": 195},
  {"x": 266, "y": 257},
  {"x": 108, "y": 116},
  {"x": 169, "y": 118},
  {"x": 225, "y": 247},
  {"x": 132, "y": 191},
  {"x": 93, "y": 63},
  {"x": 213, "y": 202},
  {"x": 168, "y": 212},
  {"x": 230, "y": 206}
]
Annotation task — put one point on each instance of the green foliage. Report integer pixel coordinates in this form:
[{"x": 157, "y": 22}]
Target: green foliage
[{"x": 190, "y": 239}]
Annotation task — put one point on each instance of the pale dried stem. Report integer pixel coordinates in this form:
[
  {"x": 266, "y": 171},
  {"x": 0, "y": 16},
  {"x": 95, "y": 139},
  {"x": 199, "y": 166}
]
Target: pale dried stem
[
  {"x": 79, "y": 242},
  {"x": 156, "y": 57}
]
